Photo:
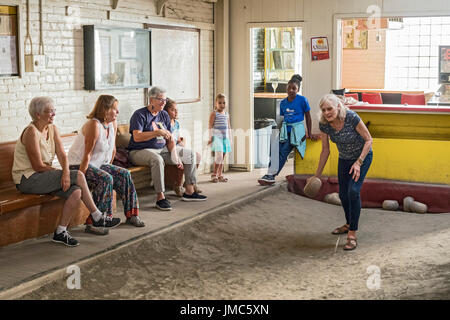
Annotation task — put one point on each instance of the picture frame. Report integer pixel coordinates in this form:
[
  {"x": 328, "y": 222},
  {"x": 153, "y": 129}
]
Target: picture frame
[
  {"x": 176, "y": 50},
  {"x": 116, "y": 57},
  {"x": 355, "y": 39},
  {"x": 277, "y": 63},
  {"x": 10, "y": 44},
  {"x": 319, "y": 48},
  {"x": 273, "y": 39},
  {"x": 288, "y": 60},
  {"x": 286, "y": 41},
  {"x": 128, "y": 47}
]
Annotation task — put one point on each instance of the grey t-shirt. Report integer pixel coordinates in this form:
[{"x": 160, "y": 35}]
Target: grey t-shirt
[{"x": 348, "y": 141}]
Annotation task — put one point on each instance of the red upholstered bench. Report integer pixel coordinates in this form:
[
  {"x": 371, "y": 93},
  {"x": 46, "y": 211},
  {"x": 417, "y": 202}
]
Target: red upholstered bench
[
  {"x": 352, "y": 95},
  {"x": 413, "y": 99},
  {"x": 372, "y": 98}
]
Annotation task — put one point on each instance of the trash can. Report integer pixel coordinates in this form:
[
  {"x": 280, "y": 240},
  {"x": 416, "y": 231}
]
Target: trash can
[{"x": 261, "y": 141}]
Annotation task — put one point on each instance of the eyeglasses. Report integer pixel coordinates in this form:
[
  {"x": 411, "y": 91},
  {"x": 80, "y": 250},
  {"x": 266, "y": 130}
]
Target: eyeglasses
[
  {"x": 161, "y": 99},
  {"x": 51, "y": 111}
]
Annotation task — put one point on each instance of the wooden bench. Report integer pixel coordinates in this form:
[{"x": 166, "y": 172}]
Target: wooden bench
[{"x": 25, "y": 216}]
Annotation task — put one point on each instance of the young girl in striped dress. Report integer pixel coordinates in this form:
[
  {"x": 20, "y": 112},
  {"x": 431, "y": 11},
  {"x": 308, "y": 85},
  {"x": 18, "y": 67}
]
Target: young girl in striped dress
[{"x": 219, "y": 136}]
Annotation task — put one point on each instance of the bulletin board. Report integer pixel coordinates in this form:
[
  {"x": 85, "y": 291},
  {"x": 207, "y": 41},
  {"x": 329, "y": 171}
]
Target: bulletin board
[
  {"x": 175, "y": 61},
  {"x": 9, "y": 50}
]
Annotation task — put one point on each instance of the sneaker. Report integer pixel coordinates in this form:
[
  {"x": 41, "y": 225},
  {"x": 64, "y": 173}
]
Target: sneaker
[
  {"x": 193, "y": 197},
  {"x": 108, "y": 222},
  {"x": 65, "y": 238},
  {"x": 267, "y": 180},
  {"x": 97, "y": 231},
  {"x": 163, "y": 204},
  {"x": 135, "y": 221}
]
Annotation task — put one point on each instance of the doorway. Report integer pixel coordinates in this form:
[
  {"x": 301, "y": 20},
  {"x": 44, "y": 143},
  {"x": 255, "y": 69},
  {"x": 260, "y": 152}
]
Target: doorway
[{"x": 276, "y": 53}]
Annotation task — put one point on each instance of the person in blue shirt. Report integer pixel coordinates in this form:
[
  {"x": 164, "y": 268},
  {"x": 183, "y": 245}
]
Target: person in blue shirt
[
  {"x": 295, "y": 108},
  {"x": 151, "y": 144}
]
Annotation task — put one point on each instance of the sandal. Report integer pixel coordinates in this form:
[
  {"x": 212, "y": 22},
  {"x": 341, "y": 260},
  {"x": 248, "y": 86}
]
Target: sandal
[
  {"x": 222, "y": 179},
  {"x": 351, "y": 244},
  {"x": 214, "y": 178},
  {"x": 341, "y": 230}
]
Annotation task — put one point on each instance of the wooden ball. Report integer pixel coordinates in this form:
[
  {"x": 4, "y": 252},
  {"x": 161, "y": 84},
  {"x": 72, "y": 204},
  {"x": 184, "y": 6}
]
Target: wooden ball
[
  {"x": 313, "y": 186},
  {"x": 391, "y": 205},
  {"x": 407, "y": 201},
  {"x": 418, "y": 207},
  {"x": 333, "y": 198}
]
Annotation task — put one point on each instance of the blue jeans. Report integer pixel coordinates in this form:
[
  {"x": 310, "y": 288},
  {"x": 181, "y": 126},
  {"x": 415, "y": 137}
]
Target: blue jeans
[
  {"x": 349, "y": 190},
  {"x": 283, "y": 152}
]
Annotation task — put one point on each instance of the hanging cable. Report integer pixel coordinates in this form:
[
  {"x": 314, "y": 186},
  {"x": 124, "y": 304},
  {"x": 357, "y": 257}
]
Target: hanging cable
[
  {"x": 41, "y": 33},
  {"x": 28, "y": 28}
]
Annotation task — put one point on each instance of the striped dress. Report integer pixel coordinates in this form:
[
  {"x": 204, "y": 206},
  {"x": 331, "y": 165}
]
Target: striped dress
[
  {"x": 220, "y": 126},
  {"x": 221, "y": 139}
]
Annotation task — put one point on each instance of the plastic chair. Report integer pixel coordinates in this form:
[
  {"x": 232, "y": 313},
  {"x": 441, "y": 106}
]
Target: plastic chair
[
  {"x": 352, "y": 95},
  {"x": 372, "y": 98},
  {"x": 414, "y": 99}
]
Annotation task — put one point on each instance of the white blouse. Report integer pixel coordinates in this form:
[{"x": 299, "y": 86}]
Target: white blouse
[{"x": 103, "y": 149}]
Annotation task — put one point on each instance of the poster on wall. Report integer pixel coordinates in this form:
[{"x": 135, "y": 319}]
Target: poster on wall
[
  {"x": 8, "y": 56},
  {"x": 319, "y": 48},
  {"x": 354, "y": 38}
]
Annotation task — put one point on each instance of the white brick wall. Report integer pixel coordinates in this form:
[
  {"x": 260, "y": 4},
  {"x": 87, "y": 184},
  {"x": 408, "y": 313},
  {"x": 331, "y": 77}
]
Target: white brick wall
[{"x": 62, "y": 79}]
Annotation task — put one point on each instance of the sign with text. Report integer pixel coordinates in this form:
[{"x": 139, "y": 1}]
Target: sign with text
[{"x": 319, "y": 48}]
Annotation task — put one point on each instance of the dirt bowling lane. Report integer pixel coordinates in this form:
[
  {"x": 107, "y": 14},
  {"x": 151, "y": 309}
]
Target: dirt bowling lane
[{"x": 276, "y": 247}]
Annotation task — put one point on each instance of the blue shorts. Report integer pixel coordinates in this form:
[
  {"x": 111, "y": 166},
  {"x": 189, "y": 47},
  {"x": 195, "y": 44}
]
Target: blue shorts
[{"x": 221, "y": 144}]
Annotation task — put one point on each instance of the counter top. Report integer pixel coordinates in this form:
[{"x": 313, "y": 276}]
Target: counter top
[
  {"x": 388, "y": 91},
  {"x": 399, "y": 108},
  {"x": 270, "y": 95}
]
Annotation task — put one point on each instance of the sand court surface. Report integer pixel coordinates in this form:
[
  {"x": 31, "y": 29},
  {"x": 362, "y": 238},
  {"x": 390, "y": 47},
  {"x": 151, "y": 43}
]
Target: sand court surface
[{"x": 277, "y": 245}]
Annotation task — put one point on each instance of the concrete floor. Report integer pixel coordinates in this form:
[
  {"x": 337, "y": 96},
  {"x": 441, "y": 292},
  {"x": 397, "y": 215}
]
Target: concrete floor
[{"x": 30, "y": 264}]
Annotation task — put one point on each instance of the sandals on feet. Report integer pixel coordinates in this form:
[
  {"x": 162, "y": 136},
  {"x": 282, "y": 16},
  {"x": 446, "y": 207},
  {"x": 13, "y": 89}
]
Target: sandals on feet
[
  {"x": 341, "y": 230},
  {"x": 222, "y": 179},
  {"x": 214, "y": 178},
  {"x": 351, "y": 244}
]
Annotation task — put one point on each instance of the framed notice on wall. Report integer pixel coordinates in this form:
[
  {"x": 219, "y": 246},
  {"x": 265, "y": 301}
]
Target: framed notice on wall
[
  {"x": 176, "y": 52},
  {"x": 9, "y": 46},
  {"x": 319, "y": 48}
]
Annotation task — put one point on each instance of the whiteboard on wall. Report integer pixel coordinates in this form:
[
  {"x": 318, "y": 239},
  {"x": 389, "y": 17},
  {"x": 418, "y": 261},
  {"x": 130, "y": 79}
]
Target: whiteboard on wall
[{"x": 175, "y": 57}]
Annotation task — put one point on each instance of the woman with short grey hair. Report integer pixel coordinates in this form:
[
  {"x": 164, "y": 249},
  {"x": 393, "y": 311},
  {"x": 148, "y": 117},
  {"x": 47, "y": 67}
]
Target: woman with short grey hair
[{"x": 33, "y": 172}]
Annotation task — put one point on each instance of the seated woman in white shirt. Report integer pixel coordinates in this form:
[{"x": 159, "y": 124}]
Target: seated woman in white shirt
[
  {"x": 93, "y": 152},
  {"x": 33, "y": 172}
]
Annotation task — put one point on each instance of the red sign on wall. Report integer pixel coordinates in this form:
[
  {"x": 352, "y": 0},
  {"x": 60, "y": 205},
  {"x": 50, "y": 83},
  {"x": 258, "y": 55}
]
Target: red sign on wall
[{"x": 319, "y": 48}]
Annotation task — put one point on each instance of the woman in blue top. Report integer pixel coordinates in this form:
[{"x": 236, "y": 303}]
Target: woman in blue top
[
  {"x": 294, "y": 109},
  {"x": 354, "y": 142}
]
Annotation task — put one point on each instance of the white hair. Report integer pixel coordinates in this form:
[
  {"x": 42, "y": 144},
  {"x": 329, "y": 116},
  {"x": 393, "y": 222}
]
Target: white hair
[
  {"x": 333, "y": 101},
  {"x": 155, "y": 92},
  {"x": 38, "y": 105}
]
